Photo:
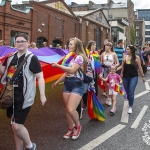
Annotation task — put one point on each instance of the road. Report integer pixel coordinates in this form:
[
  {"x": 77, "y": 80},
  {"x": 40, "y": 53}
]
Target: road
[{"x": 121, "y": 131}]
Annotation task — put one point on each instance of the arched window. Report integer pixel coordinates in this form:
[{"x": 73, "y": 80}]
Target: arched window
[{"x": 39, "y": 42}]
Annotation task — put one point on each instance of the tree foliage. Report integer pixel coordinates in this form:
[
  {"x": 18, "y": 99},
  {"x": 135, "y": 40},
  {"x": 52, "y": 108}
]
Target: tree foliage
[{"x": 132, "y": 35}]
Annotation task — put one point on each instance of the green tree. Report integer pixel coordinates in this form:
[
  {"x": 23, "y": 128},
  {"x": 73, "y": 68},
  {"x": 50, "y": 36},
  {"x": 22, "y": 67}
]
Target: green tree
[{"x": 132, "y": 35}]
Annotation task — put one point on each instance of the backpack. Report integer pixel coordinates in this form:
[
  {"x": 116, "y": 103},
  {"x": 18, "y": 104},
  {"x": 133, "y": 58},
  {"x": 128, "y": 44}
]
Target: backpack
[{"x": 89, "y": 75}]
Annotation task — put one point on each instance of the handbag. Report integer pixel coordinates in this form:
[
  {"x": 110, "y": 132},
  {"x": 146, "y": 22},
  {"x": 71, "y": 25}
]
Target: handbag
[
  {"x": 89, "y": 75},
  {"x": 7, "y": 92}
]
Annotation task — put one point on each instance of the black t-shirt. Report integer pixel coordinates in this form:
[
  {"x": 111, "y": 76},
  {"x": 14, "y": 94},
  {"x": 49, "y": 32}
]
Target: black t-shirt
[{"x": 34, "y": 67}]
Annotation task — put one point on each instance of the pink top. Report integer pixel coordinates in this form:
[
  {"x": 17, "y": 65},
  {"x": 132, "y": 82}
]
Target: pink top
[{"x": 113, "y": 79}]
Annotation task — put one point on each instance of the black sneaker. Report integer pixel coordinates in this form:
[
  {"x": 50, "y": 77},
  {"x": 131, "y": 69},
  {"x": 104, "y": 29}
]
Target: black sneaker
[{"x": 33, "y": 147}]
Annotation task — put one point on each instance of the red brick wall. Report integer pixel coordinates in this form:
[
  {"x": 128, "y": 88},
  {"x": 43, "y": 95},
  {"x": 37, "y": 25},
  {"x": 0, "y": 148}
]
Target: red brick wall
[{"x": 65, "y": 27}]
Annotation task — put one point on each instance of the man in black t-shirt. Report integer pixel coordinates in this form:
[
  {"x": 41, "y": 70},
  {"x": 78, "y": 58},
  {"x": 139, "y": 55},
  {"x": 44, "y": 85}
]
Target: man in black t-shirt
[{"x": 24, "y": 89}]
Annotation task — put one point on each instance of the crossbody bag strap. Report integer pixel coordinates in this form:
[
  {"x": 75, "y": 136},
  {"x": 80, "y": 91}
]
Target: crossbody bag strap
[{"x": 19, "y": 68}]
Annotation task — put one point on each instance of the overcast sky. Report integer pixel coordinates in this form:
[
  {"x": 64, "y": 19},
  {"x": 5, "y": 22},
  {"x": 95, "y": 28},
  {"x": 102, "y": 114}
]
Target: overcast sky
[{"x": 138, "y": 4}]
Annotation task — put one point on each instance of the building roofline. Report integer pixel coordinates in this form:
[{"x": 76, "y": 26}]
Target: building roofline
[{"x": 142, "y": 9}]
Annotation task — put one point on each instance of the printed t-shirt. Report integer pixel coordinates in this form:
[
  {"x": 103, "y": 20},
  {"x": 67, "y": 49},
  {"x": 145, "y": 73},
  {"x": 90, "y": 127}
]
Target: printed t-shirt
[
  {"x": 78, "y": 60},
  {"x": 34, "y": 67},
  {"x": 113, "y": 79}
]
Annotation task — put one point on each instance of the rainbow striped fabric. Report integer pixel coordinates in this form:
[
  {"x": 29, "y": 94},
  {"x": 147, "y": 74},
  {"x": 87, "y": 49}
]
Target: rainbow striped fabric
[
  {"x": 120, "y": 89},
  {"x": 95, "y": 108},
  {"x": 96, "y": 58},
  {"x": 68, "y": 58}
]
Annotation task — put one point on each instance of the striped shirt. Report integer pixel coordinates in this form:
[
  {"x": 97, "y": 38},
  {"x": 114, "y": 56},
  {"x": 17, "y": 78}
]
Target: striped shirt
[{"x": 119, "y": 51}]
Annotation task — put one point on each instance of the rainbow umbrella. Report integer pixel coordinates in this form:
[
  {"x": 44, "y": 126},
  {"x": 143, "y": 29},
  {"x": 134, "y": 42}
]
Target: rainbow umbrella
[{"x": 95, "y": 108}]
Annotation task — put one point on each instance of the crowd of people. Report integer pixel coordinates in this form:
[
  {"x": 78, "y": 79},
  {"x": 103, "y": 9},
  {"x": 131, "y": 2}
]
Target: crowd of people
[
  {"x": 112, "y": 65},
  {"x": 118, "y": 65}
]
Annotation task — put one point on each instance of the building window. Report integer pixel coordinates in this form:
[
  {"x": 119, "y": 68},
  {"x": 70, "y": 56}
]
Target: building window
[
  {"x": 109, "y": 17},
  {"x": 137, "y": 26},
  {"x": 137, "y": 33},
  {"x": 147, "y": 39},
  {"x": 147, "y": 27},
  {"x": 147, "y": 32},
  {"x": 145, "y": 14}
]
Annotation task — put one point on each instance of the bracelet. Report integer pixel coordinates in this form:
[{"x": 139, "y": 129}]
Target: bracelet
[{"x": 142, "y": 76}]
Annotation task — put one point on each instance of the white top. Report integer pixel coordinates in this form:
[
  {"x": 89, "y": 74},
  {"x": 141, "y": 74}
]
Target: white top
[{"x": 108, "y": 60}]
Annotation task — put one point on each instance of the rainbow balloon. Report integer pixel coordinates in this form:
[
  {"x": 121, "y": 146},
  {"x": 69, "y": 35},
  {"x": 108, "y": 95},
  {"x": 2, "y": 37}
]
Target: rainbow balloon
[
  {"x": 120, "y": 89},
  {"x": 95, "y": 108}
]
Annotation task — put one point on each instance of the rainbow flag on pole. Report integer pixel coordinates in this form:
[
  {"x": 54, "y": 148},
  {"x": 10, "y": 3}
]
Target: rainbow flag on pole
[
  {"x": 95, "y": 108},
  {"x": 120, "y": 89}
]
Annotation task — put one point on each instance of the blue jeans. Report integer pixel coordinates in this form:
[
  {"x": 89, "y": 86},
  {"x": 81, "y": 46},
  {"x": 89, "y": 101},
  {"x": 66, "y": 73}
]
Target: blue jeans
[{"x": 130, "y": 85}]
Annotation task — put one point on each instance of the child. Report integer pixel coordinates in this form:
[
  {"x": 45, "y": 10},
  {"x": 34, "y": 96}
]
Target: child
[{"x": 113, "y": 78}]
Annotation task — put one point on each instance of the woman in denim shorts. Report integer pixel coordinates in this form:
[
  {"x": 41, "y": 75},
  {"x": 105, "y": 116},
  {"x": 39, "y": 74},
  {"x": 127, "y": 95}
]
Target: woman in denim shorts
[{"x": 73, "y": 85}]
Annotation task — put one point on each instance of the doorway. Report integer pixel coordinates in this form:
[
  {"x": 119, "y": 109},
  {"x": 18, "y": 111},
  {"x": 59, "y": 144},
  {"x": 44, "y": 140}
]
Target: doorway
[
  {"x": 39, "y": 42},
  {"x": 55, "y": 42}
]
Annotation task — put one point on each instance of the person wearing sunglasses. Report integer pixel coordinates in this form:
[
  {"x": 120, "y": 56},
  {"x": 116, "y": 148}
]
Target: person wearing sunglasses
[{"x": 108, "y": 58}]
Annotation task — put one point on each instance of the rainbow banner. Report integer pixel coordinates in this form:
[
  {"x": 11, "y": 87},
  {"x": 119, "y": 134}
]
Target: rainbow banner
[
  {"x": 46, "y": 57},
  {"x": 95, "y": 108},
  {"x": 120, "y": 89}
]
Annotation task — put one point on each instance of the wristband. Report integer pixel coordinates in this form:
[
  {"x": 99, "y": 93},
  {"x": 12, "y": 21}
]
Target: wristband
[{"x": 142, "y": 76}]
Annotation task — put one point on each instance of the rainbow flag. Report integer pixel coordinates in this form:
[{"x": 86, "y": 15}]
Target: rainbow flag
[
  {"x": 95, "y": 108},
  {"x": 96, "y": 58},
  {"x": 120, "y": 89}
]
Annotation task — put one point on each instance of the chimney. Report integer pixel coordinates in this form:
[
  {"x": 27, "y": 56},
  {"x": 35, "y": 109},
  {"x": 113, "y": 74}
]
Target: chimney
[{"x": 91, "y": 3}]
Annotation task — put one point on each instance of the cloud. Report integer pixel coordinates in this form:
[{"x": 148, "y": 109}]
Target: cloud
[{"x": 138, "y": 4}]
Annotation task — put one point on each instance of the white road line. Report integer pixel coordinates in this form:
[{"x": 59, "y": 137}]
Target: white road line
[
  {"x": 139, "y": 117},
  {"x": 148, "y": 80},
  {"x": 140, "y": 94},
  {"x": 147, "y": 86},
  {"x": 91, "y": 145},
  {"x": 125, "y": 115}
]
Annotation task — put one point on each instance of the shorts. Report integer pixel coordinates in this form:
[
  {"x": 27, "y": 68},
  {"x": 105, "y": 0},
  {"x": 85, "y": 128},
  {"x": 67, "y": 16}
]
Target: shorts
[
  {"x": 112, "y": 92},
  {"x": 73, "y": 85},
  {"x": 20, "y": 114}
]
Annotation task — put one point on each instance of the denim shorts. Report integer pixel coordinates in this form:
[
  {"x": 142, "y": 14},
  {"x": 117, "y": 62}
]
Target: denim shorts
[{"x": 73, "y": 85}]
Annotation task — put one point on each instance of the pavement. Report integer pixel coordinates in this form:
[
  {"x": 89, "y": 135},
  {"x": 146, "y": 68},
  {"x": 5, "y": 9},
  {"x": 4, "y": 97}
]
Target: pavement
[{"x": 47, "y": 124}]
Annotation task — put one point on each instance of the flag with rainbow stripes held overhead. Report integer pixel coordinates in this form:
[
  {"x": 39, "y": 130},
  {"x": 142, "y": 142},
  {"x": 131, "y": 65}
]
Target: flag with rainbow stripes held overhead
[
  {"x": 120, "y": 89},
  {"x": 95, "y": 108}
]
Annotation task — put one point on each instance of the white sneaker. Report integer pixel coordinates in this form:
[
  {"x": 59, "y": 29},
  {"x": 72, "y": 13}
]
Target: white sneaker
[
  {"x": 130, "y": 110},
  {"x": 109, "y": 103},
  {"x": 104, "y": 93}
]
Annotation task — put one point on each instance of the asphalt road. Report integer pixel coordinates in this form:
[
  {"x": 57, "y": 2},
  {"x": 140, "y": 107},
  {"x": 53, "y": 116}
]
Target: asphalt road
[{"x": 47, "y": 125}]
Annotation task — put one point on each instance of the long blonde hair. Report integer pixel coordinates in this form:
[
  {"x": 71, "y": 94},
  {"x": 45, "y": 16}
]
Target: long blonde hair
[{"x": 79, "y": 50}]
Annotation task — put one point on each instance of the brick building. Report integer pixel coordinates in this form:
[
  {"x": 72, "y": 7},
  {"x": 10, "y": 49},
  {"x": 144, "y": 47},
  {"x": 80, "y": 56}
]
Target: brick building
[
  {"x": 140, "y": 31},
  {"x": 52, "y": 21},
  {"x": 113, "y": 11}
]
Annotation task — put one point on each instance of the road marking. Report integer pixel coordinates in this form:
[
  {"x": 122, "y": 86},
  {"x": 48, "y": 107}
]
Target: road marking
[
  {"x": 99, "y": 140},
  {"x": 147, "y": 86},
  {"x": 139, "y": 117},
  {"x": 140, "y": 94},
  {"x": 125, "y": 115},
  {"x": 148, "y": 80}
]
